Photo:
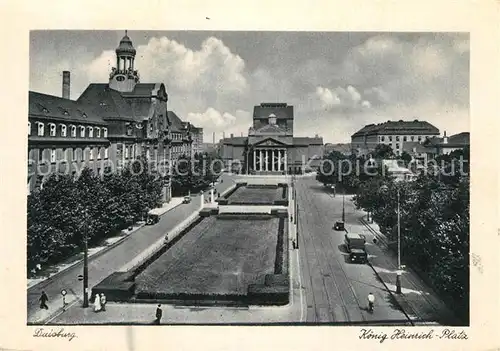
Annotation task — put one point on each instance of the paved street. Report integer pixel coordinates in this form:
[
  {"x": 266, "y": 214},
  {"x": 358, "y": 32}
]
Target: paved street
[
  {"x": 326, "y": 288},
  {"x": 336, "y": 291},
  {"x": 104, "y": 264}
]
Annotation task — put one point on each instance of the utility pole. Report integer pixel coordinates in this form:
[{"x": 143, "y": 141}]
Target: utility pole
[
  {"x": 398, "y": 276},
  {"x": 343, "y": 207},
  {"x": 85, "y": 262}
]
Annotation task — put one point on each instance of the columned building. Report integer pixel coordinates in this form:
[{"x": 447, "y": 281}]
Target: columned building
[{"x": 270, "y": 147}]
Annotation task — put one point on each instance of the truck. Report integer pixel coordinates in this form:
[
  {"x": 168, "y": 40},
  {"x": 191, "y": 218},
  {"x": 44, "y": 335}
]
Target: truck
[{"x": 355, "y": 246}]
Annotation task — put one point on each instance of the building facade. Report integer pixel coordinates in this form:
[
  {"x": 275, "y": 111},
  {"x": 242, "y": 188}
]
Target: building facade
[
  {"x": 446, "y": 145},
  {"x": 106, "y": 127},
  {"x": 197, "y": 135},
  {"x": 270, "y": 147},
  {"x": 392, "y": 133}
]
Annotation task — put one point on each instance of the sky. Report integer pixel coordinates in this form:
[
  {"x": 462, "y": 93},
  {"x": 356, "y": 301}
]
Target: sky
[{"x": 337, "y": 81}]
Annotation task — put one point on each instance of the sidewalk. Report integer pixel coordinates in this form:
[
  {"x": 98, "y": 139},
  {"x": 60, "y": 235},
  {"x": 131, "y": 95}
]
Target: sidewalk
[
  {"x": 418, "y": 300},
  {"x": 51, "y": 271}
]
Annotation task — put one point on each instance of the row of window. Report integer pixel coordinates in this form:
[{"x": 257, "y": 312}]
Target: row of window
[
  {"x": 176, "y": 136},
  {"x": 73, "y": 154},
  {"x": 83, "y": 130},
  {"x": 179, "y": 148},
  {"x": 405, "y": 138}
]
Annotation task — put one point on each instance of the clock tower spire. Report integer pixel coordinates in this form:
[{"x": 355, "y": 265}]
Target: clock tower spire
[{"x": 123, "y": 77}]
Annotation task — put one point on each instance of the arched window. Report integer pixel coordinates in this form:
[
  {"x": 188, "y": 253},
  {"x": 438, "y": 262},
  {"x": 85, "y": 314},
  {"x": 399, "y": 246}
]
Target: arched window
[
  {"x": 40, "y": 129},
  {"x": 91, "y": 132},
  {"x": 52, "y": 129},
  {"x": 105, "y": 132},
  {"x": 106, "y": 153},
  {"x": 29, "y": 128},
  {"x": 126, "y": 151},
  {"x": 63, "y": 130},
  {"x": 82, "y": 131},
  {"x": 97, "y": 132},
  {"x": 72, "y": 129}
]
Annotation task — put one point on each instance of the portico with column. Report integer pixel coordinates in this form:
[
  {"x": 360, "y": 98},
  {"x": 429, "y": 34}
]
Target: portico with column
[{"x": 269, "y": 159}]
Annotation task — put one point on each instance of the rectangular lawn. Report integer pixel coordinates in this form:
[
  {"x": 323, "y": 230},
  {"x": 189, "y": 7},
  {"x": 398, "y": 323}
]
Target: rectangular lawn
[
  {"x": 255, "y": 195},
  {"x": 218, "y": 256}
]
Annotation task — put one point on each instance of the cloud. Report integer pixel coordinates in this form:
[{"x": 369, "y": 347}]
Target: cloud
[
  {"x": 212, "y": 120},
  {"x": 213, "y": 67},
  {"x": 388, "y": 76},
  {"x": 327, "y": 97},
  {"x": 339, "y": 97}
]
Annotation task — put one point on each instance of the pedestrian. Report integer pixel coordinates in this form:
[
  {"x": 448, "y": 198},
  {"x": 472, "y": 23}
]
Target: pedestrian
[
  {"x": 97, "y": 303},
  {"x": 103, "y": 302},
  {"x": 43, "y": 301},
  {"x": 159, "y": 314},
  {"x": 371, "y": 301}
]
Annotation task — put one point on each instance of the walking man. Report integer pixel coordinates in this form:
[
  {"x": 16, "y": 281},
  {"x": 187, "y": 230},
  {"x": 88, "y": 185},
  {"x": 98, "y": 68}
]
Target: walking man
[
  {"x": 103, "y": 302},
  {"x": 371, "y": 301},
  {"x": 43, "y": 300},
  {"x": 159, "y": 314}
]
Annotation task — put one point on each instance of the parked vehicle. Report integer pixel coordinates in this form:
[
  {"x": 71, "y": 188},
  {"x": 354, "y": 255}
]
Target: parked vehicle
[
  {"x": 152, "y": 218},
  {"x": 186, "y": 200},
  {"x": 355, "y": 246},
  {"x": 339, "y": 225}
]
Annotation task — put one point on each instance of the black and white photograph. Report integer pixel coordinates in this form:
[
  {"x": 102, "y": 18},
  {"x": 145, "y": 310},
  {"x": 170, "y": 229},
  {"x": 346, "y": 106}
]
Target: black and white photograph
[{"x": 315, "y": 178}]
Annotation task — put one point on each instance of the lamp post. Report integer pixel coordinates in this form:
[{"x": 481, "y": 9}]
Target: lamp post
[
  {"x": 343, "y": 206},
  {"x": 398, "y": 273},
  {"x": 85, "y": 263}
]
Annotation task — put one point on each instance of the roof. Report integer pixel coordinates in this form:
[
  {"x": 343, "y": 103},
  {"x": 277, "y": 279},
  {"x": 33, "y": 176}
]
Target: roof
[
  {"x": 410, "y": 145},
  {"x": 176, "y": 124},
  {"x": 398, "y": 127},
  {"x": 55, "y": 107},
  {"x": 269, "y": 128},
  {"x": 280, "y": 110},
  {"x": 456, "y": 140},
  {"x": 142, "y": 90},
  {"x": 234, "y": 141},
  {"x": 125, "y": 45},
  {"x": 111, "y": 104},
  {"x": 342, "y": 148},
  {"x": 307, "y": 141}
]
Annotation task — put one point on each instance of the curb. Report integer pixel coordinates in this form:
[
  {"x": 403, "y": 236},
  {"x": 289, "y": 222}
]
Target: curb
[
  {"x": 95, "y": 255},
  {"x": 409, "y": 270},
  {"x": 379, "y": 278}
]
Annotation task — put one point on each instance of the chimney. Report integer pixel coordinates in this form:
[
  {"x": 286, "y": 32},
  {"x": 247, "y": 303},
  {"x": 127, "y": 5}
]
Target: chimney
[
  {"x": 214, "y": 138},
  {"x": 66, "y": 85},
  {"x": 445, "y": 138},
  {"x": 232, "y": 135},
  {"x": 223, "y": 135}
]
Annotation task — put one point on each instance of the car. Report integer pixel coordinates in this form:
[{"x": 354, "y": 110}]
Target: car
[
  {"x": 186, "y": 200},
  {"x": 355, "y": 246},
  {"x": 152, "y": 218},
  {"x": 339, "y": 225}
]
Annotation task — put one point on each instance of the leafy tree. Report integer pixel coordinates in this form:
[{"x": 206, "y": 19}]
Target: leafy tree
[
  {"x": 406, "y": 157},
  {"x": 383, "y": 151}
]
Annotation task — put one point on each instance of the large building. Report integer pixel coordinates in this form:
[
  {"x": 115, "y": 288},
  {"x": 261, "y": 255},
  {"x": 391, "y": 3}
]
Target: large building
[
  {"x": 393, "y": 133},
  {"x": 271, "y": 147},
  {"x": 106, "y": 127},
  {"x": 197, "y": 135}
]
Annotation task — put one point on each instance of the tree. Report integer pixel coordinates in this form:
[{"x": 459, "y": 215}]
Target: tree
[
  {"x": 406, "y": 157},
  {"x": 383, "y": 151}
]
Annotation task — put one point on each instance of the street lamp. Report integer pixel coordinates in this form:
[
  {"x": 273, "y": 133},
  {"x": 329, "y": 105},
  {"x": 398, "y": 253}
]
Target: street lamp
[
  {"x": 398, "y": 276},
  {"x": 343, "y": 206},
  {"x": 85, "y": 263}
]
